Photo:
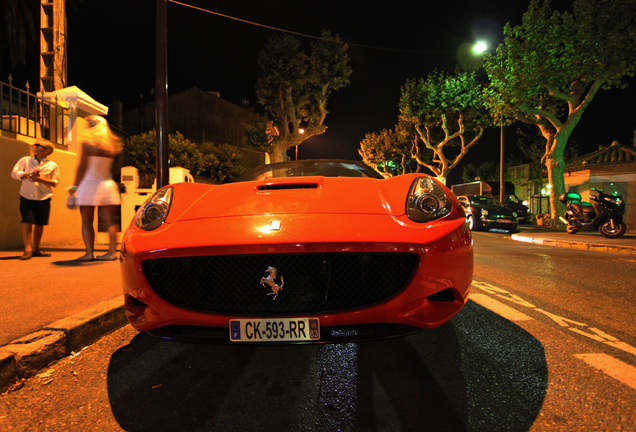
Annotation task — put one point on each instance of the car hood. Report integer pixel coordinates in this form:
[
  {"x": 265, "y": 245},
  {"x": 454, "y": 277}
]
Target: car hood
[{"x": 299, "y": 195}]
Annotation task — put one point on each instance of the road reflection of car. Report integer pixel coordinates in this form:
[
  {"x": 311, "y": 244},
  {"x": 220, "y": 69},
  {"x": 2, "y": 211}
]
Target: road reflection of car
[
  {"x": 302, "y": 251},
  {"x": 485, "y": 212}
]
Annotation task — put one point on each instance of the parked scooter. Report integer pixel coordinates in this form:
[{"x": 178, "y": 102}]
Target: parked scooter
[{"x": 603, "y": 213}]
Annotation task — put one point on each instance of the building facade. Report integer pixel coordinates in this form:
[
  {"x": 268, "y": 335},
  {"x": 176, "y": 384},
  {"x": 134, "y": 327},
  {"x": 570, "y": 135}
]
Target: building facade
[
  {"x": 200, "y": 116},
  {"x": 612, "y": 169}
]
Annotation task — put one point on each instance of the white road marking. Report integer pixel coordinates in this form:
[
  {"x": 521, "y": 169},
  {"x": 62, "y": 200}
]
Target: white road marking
[
  {"x": 613, "y": 367},
  {"x": 514, "y": 315},
  {"x": 622, "y": 346},
  {"x": 609, "y": 365},
  {"x": 492, "y": 289},
  {"x": 499, "y": 308}
]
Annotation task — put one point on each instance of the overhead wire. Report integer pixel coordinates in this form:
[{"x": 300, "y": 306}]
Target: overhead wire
[{"x": 301, "y": 34}]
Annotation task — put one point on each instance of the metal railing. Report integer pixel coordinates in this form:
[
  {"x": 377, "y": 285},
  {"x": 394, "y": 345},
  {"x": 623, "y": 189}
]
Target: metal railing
[{"x": 26, "y": 114}]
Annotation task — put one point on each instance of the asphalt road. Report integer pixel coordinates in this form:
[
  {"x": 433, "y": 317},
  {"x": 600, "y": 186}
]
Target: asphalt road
[
  {"x": 545, "y": 344},
  {"x": 593, "y": 287}
]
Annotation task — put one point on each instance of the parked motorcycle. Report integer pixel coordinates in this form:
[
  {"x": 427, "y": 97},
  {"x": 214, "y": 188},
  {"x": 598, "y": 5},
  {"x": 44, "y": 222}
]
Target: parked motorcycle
[{"x": 604, "y": 213}]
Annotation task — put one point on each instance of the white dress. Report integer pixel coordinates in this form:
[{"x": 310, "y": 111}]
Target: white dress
[{"x": 98, "y": 188}]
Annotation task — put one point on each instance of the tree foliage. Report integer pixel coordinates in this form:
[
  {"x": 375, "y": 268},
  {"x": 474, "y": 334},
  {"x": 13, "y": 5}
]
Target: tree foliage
[
  {"x": 221, "y": 163},
  {"x": 140, "y": 151},
  {"x": 293, "y": 87},
  {"x": 257, "y": 136},
  {"x": 387, "y": 151},
  {"x": 548, "y": 70},
  {"x": 448, "y": 115},
  {"x": 488, "y": 172}
]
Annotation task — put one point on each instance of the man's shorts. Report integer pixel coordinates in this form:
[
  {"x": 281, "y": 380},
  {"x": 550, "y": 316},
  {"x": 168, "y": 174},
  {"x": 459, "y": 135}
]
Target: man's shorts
[{"x": 35, "y": 212}]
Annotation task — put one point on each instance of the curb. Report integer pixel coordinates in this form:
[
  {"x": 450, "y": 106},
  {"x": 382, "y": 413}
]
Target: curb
[
  {"x": 24, "y": 357},
  {"x": 576, "y": 245}
]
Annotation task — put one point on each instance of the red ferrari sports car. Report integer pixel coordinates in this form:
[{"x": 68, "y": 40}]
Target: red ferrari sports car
[{"x": 300, "y": 251}]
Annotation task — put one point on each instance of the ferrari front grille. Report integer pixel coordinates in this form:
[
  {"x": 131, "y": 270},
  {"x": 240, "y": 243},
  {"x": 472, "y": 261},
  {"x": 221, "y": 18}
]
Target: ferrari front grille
[{"x": 280, "y": 284}]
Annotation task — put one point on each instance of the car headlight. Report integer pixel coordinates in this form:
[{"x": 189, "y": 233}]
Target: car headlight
[
  {"x": 155, "y": 210},
  {"x": 427, "y": 201},
  {"x": 514, "y": 215},
  {"x": 484, "y": 212}
]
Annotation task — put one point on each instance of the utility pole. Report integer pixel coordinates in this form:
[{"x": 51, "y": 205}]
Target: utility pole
[
  {"x": 501, "y": 164},
  {"x": 52, "y": 45},
  {"x": 161, "y": 93}
]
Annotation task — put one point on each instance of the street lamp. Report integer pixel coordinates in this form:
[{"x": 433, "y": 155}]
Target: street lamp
[
  {"x": 479, "y": 48},
  {"x": 301, "y": 130}
]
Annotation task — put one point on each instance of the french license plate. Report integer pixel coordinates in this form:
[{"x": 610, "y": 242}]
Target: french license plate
[
  {"x": 504, "y": 220},
  {"x": 274, "y": 329}
]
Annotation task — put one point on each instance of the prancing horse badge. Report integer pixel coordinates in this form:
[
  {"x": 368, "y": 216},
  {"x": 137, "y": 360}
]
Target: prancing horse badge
[{"x": 271, "y": 281}]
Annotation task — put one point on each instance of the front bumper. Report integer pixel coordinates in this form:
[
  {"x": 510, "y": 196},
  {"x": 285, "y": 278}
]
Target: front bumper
[{"x": 436, "y": 289}]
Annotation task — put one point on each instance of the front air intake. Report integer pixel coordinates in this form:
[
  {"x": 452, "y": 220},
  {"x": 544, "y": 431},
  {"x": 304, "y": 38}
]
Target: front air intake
[{"x": 443, "y": 296}]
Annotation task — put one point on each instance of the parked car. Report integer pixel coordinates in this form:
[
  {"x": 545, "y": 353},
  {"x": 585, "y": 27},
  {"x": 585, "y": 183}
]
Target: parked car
[
  {"x": 485, "y": 212},
  {"x": 300, "y": 251},
  {"x": 491, "y": 189}
]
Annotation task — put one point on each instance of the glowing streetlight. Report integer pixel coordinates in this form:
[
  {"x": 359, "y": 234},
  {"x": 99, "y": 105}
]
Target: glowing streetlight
[
  {"x": 301, "y": 130},
  {"x": 480, "y": 47}
]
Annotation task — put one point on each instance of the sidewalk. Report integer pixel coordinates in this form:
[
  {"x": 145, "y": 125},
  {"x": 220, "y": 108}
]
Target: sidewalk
[
  {"x": 584, "y": 240},
  {"x": 54, "y": 306}
]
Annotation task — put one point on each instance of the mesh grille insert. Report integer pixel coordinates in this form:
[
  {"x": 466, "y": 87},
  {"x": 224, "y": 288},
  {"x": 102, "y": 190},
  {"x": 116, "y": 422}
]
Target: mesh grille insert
[{"x": 311, "y": 283}]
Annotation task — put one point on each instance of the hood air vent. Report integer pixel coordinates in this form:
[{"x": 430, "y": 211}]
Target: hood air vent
[{"x": 288, "y": 186}]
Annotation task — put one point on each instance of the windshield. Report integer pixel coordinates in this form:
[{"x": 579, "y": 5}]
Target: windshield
[
  {"x": 314, "y": 167},
  {"x": 484, "y": 201},
  {"x": 611, "y": 189}
]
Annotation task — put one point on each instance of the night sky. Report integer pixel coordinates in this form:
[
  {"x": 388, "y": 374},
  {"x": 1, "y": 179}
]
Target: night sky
[{"x": 111, "y": 55}]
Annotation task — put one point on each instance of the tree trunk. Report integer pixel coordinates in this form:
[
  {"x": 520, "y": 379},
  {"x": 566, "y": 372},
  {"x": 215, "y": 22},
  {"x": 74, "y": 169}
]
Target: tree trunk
[
  {"x": 555, "y": 164},
  {"x": 276, "y": 155},
  {"x": 555, "y": 178}
]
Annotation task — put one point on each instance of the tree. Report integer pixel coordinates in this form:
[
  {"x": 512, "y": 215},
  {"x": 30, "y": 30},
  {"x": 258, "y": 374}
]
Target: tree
[
  {"x": 488, "y": 172},
  {"x": 385, "y": 151},
  {"x": 549, "y": 69},
  {"x": 140, "y": 151},
  {"x": 470, "y": 173},
  {"x": 294, "y": 87},
  {"x": 448, "y": 115},
  {"x": 220, "y": 163},
  {"x": 258, "y": 135}
]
